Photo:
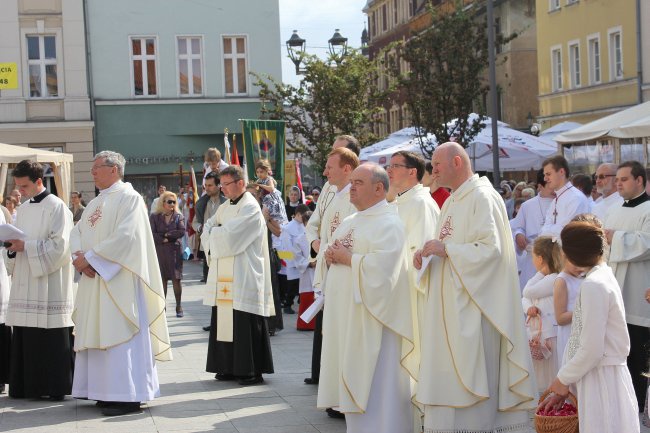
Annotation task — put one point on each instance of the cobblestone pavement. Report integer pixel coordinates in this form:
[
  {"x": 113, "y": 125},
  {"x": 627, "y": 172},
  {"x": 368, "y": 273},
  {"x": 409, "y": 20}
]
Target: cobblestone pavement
[{"x": 191, "y": 399}]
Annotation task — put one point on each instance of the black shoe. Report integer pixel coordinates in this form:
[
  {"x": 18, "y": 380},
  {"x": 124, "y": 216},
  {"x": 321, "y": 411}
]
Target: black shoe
[
  {"x": 121, "y": 408},
  {"x": 288, "y": 310},
  {"x": 311, "y": 381},
  {"x": 102, "y": 404},
  {"x": 224, "y": 377},
  {"x": 250, "y": 380},
  {"x": 332, "y": 413},
  {"x": 206, "y": 328}
]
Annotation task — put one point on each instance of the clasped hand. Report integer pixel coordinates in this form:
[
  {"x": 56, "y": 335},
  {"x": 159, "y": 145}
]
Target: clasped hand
[
  {"x": 81, "y": 265},
  {"x": 337, "y": 253},
  {"x": 433, "y": 247}
]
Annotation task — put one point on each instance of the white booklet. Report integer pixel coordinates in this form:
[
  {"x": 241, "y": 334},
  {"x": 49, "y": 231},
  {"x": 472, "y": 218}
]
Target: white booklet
[
  {"x": 313, "y": 309},
  {"x": 8, "y": 231}
]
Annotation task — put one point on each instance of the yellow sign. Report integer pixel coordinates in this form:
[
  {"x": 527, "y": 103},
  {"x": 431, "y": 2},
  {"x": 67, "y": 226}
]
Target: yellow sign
[{"x": 8, "y": 76}]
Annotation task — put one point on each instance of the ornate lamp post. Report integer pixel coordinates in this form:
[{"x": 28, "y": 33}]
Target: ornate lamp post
[{"x": 338, "y": 48}]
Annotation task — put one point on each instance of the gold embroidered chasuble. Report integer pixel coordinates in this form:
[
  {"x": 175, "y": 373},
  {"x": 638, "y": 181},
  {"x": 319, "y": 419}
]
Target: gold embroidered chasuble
[
  {"x": 478, "y": 280},
  {"x": 115, "y": 226},
  {"x": 361, "y": 300}
]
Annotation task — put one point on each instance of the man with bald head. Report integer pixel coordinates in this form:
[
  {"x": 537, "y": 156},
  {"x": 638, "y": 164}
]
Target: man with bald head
[
  {"x": 367, "y": 331},
  {"x": 606, "y": 185},
  {"x": 478, "y": 374}
]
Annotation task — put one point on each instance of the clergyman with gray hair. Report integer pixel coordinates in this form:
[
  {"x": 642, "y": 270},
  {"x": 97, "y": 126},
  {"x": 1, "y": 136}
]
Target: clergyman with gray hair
[{"x": 119, "y": 315}]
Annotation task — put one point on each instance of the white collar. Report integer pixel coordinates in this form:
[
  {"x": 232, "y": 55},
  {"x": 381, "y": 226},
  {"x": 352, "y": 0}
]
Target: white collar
[
  {"x": 374, "y": 206},
  {"x": 345, "y": 189},
  {"x": 113, "y": 187},
  {"x": 564, "y": 188}
]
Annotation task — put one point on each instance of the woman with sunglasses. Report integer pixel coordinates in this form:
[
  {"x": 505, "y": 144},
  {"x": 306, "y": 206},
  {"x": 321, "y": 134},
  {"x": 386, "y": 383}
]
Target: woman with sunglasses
[{"x": 168, "y": 227}]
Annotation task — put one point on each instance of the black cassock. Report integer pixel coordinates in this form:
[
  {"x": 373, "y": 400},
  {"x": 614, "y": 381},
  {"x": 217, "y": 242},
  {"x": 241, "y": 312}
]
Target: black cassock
[
  {"x": 42, "y": 362},
  {"x": 249, "y": 354}
]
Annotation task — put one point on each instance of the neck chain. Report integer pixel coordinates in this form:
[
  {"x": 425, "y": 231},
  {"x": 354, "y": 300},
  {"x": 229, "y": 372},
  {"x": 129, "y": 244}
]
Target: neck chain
[{"x": 557, "y": 197}]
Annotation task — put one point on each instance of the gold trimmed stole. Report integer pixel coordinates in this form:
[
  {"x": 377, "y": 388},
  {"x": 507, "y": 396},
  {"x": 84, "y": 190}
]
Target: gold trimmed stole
[{"x": 225, "y": 271}]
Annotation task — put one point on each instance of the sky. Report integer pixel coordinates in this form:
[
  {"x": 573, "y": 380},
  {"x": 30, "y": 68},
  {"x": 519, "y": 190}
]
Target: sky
[{"x": 316, "y": 21}]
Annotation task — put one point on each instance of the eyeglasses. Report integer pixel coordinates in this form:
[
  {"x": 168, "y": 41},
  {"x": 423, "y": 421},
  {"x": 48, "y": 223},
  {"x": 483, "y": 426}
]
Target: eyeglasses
[
  {"x": 228, "y": 183},
  {"x": 170, "y": 201},
  {"x": 95, "y": 167},
  {"x": 604, "y": 176},
  {"x": 394, "y": 166}
]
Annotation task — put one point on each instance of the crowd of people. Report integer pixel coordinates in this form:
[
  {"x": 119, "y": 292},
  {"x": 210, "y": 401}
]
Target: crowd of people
[{"x": 438, "y": 302}]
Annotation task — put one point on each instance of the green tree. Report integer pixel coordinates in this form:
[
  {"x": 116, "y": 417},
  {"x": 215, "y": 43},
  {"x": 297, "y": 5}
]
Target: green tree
[
  {"x": 446, "y": 78},
  {"x": 330, "y": 101}
]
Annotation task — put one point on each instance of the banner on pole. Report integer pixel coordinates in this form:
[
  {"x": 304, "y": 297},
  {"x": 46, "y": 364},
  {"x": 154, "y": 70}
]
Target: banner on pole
[{"x": 264, "y": 139}]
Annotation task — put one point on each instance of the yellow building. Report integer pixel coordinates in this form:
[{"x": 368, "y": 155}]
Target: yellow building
[{"x": 587, "y": 59}]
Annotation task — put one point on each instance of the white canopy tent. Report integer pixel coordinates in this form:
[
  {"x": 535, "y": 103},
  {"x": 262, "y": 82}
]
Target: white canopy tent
[
  {"x": 60, "y": 163},
  {"x": 631, "y": 123},
  {"x": 397, "y": 137},
  {"x": 518, "y": 151},
  {"x": 560, "y": 128}
]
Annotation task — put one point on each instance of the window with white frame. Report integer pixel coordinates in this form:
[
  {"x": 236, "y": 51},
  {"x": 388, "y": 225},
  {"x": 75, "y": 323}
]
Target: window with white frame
[
  {"x": 42, "y": 66},
  {"x": 553, "y": 5},
  {"x": 615, "y": 55},
  {"x": 190, "y": 65},
  {"x": 556, "y": 68},
  {"x": 144, "y": 54},
  {"x": 574, "y": 64},
  {"x": 594, "y": 59},
  {"x": 235, "y": 65}
]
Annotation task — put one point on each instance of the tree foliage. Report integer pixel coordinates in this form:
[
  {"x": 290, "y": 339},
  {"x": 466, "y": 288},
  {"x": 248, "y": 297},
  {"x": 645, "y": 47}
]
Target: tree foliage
[
  {"x": 330, "y": 101},
  {"x": 446, "y": 79}
]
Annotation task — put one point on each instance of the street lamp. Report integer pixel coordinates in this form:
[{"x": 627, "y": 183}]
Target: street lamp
[
  {"x": 338, "y": 47},
  {"x": 296, "y": 49}
]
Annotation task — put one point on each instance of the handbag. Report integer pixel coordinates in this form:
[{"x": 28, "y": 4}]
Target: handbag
[{"x": 539, "y": 350}]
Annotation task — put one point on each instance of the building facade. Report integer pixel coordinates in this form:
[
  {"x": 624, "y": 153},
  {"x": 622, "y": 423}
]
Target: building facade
[
  {"x": 50, "y": 109},
  {"x": 168, "y": 79},
  {"x": 587, "y": 59},
  {"x": 397, "y": 20}
]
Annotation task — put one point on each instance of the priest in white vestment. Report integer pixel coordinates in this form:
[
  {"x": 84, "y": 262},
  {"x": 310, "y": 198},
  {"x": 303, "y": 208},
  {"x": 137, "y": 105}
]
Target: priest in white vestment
[
  {"x": 569, "y": 201},
  {"x": 367, "y": 327},
  {"x": 628, "y": 232},
  {"x": 606, "y": 186},
  {"x": 526, "y": 226},
  {"x": 419, "y": 212},
  {"x": 42, "y": 295},
  {"x": 478, "y": 374},
  {"x": 120, "y": 324},
  {"x": 333, "y": 207},
  {"x": 239, "y": 285}
]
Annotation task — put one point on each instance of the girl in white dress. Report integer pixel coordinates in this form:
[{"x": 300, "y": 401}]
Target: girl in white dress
[
  {"x": 538, "y": 301},
  {"x": 565, "y": 292},
  {"x": 599, "y": 343}
]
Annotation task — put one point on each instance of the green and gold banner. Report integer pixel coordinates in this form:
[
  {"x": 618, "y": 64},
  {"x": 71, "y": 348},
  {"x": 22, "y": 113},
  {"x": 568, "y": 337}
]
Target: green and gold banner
[{"x": 264, "y": 139}]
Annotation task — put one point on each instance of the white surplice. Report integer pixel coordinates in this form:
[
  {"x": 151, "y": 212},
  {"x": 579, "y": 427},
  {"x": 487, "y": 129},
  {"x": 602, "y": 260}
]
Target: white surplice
[
  {"x": 42, "y": 293},
  {"x": 629, "y": 257},
  {"x": 529, "y": 222},
  {"x": 121, "y": 328},
  {"x": 479, "y": 374},
  {"x": 569, "y": 201},
  {"x": 596, "y": 357},
  {"x": 419, "y": 212},
  {"x": 239, "y": 231},
  {"x": 368, "y": 317},
  {"x": 5, "y": 284},
  {"x": 602, "y": 207}
]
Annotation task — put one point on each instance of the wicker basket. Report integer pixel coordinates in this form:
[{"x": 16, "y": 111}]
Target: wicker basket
[{"x": 557, "y": 424}]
